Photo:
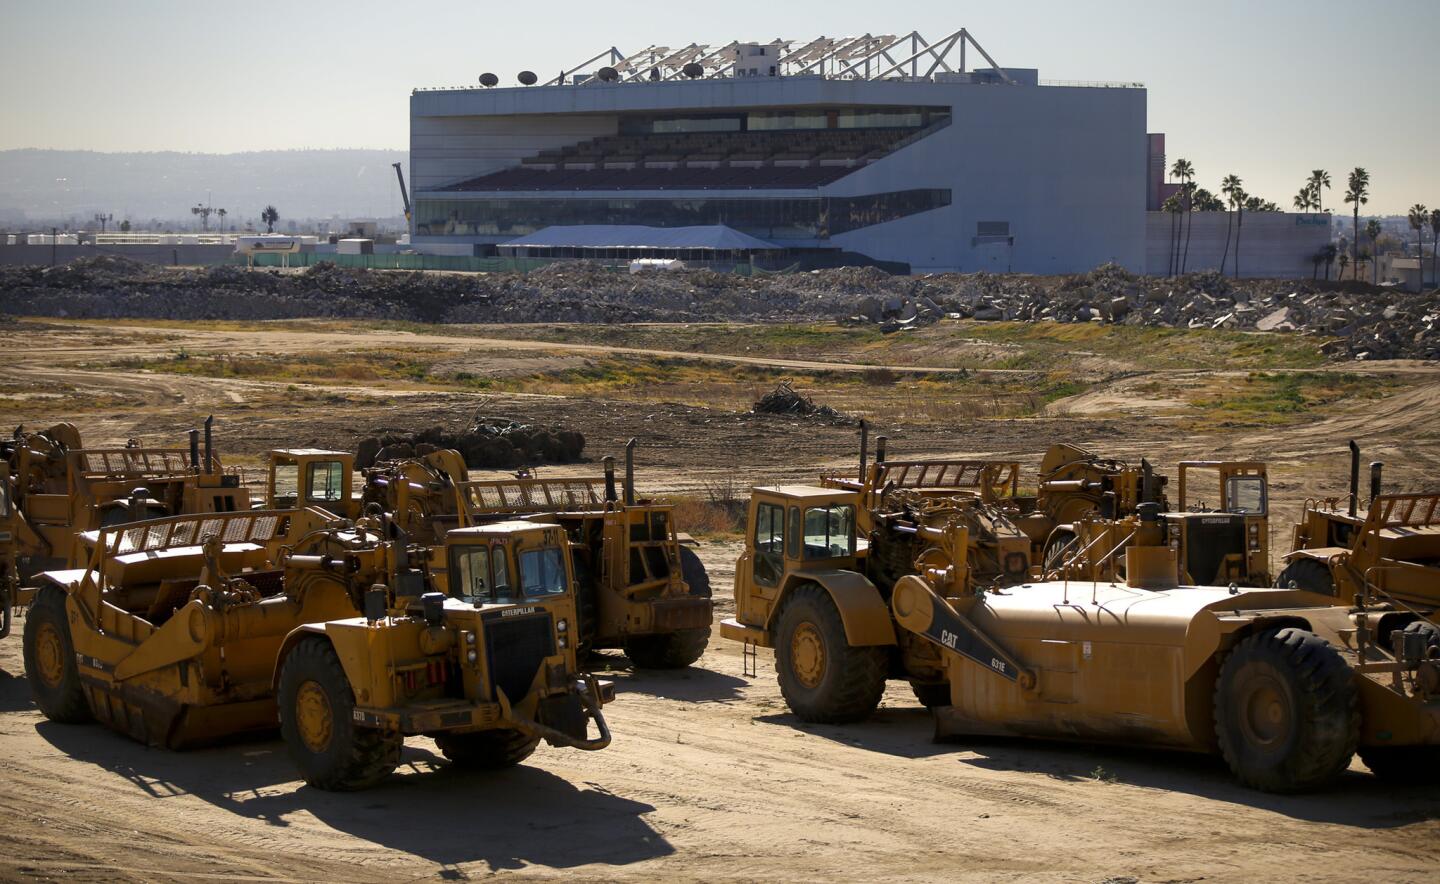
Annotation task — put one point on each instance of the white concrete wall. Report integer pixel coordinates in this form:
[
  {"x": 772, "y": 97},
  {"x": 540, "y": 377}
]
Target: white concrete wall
[
  {"x": 1272, "y": 244},
  {"x": 1065, "y": 166}
]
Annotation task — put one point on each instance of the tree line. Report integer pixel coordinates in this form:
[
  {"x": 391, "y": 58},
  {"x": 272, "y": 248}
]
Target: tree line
[{"x": 1191, "y": 198}]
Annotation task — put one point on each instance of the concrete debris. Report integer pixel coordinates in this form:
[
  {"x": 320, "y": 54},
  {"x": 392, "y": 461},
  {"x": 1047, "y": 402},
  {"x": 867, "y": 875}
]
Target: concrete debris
[
  {"x": 487, "y": 443},
  {"x": 1379, "y": 322},
  {"x": 785, "y": 400}
]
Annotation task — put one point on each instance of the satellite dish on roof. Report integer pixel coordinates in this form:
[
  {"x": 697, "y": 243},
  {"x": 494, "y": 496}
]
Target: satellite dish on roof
[
  {"x": 488, "y": 79},
  {"x": 527, "y": 78},
  {"x": 608, "y": 74},
  {"x": 693, "y": 70}
]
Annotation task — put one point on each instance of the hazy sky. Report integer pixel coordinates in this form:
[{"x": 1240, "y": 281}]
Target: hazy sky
[{"x": 1268, "y": 89}]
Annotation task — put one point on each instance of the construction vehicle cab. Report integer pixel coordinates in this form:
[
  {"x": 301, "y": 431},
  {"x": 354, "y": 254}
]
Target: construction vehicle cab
[
  {"x": 1227, "y": 541},
  {"x": 803, "y": 536},
  {"x": 186, "y": 630},
  {"x": 1386, "y": 551},
  {"x": 311, "y": 477},
  {"x": 59, "y": 489},
  {"x": 639, "y": 588}
]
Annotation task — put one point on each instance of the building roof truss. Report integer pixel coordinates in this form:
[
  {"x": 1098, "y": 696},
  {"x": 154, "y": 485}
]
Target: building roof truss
[{"x": 866, "y": 57}]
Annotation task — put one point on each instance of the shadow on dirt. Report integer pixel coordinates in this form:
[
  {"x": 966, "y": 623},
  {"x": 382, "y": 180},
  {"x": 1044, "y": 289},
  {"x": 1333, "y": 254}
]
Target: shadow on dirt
[
  {"x": 1357, "y": 799},
  {"x": 902, "y": 731},
  {"x": 506, "y": 819},
  {"x": 14, "y": 690},
  {"x": 691, "y": 685}
]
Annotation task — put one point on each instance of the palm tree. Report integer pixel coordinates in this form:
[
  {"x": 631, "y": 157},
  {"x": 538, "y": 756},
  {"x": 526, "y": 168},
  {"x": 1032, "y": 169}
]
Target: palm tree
[
  {"x": 222, "y": 213},
  {"x": 1344, "y": 262},
  {"x": 1327, "y": 254},
  {"x": 1359, "y": 195},
  {"x": 1319, "y": 179},
  {"x": 1241, "y": 198},
  {"x": 1419, "y": 217},
  {"x": 1185, "y": 171},
  {"x": 1172, "y": 205},
  {"x": 1302, "y": 199},
  {"x": 1434, "y": 243},
  {"x": 1205, "y": 201},
  {"x": 269, "y": 216},
  {"x": 1373, "y": 230},
  {"x": 1230, "y": 186}
]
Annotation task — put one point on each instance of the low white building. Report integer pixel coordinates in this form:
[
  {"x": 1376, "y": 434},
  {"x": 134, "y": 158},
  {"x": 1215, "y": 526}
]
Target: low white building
[{"x": 1266, "y": 244}]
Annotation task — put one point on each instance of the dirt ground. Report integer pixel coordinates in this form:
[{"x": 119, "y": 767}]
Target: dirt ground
[{"x": 709, "y": 777}]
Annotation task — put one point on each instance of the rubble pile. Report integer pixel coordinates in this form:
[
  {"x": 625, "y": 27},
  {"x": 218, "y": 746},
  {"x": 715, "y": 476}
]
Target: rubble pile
[
  {"x": 488, "y": 443},
  {"x": 786, "y": 401},
  {"x": 1369, "y": 322}
]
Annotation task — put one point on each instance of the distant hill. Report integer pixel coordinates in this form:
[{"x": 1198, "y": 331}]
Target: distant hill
[{"x": 52, "y": 185}]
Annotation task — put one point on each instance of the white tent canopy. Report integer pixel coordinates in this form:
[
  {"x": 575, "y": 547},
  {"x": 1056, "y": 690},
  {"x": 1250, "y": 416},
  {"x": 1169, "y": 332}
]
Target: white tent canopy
[{"x": 714, "y": 237}]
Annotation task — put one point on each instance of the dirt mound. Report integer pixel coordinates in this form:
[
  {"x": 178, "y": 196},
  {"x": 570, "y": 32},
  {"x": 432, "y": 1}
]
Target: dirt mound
[{"x": 488, "y": 443}]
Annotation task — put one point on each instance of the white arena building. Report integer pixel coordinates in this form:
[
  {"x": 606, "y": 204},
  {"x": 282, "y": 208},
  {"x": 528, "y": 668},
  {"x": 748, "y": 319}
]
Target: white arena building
[{"x": 891, "y": 149}]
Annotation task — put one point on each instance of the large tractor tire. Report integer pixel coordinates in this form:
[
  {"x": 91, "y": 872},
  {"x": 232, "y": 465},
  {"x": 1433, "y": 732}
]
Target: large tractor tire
[
  {"x": 1307, "y": 574},
  {"x": 683, "y": 647},
  {"x": 671, "y": 650},
  {"x": 1058, "y": 549},
  {"x": 587, "y": 614},
  {"x": 1287, "y": 711},
  {"x": 693, "y": 572},
  {"x": 7, "y": 605},
  {"x": 316, "y": 719},
  {"x": 822, "y": 677},
  {"x": 931, "y": 695},
  {"x": 50, "y": 660},
  {"x": 487, "y": 750}
]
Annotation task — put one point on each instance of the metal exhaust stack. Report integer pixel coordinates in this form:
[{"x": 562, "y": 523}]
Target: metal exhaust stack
[
  {"x": 209, "y": 444},
  {"x": 610, "y": 496},
  {"x": 1375, "y": 468},
  {"x": 879, "y": 450},
  {"x": 195, "y": 450},
  {"x": 630, "y": 473},
  {"x": 1354, "y": 476}
]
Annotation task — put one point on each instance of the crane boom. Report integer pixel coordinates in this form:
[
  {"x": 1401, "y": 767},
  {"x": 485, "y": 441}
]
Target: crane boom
[{"x": 403, "y": 195}]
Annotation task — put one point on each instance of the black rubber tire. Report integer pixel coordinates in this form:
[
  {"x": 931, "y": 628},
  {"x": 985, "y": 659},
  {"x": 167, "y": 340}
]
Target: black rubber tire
[
  {"x": 587, "y": 617},
  {"x": 931, "y": 695},
  {"x": 1407, "y": 765},
  {"x": 7, "y": 606},
  {"x": 65, "y": 701},
  {"x": 1318, "y": 699},
  {"x": 673, "y": 650},
  {"x": 1056, "y": 546},
  {"x": 487, "y": 750},
  {"x": 853, "y": 678},
  {"x": 355, "y": 757},
  {"x": 1307, "y": 574},
  {"x": 693, "y": 572}
]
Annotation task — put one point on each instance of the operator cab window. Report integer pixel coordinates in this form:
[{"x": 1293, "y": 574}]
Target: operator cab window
[
  {"x": 470, "y": 573},
  {"x": 542, "y": 572},
  {"x": 769, "y": 543},
  {"x": 1246, "y": 495},
  {"x": 830, "y": 531},
  {"x": 326, "y": 478},
  {"x": 287, "y": 482}
]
